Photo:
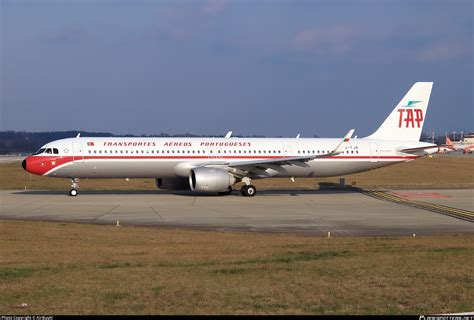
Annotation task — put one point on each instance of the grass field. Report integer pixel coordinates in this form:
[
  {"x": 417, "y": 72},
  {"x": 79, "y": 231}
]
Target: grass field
[
  {"x": 58, "y": 268},
  {"x": 436, "y": 172}
]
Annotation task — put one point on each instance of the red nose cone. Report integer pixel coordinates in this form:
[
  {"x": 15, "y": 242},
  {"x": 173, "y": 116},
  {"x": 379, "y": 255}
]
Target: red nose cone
[{"x": 36, "y": 165}]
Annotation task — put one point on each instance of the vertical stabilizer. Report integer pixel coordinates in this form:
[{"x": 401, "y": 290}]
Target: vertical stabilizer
[{"x": 407, "y": 119}]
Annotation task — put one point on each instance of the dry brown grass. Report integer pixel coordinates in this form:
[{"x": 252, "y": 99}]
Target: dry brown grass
[
  {"x": 436, "y": 172},
  {"x": 81, "y": 269}
]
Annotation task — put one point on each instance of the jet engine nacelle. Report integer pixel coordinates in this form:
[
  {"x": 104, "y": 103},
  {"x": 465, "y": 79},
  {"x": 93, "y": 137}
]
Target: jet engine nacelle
[
  {"x": 210, "y": 179},
  {"x": 172, "y": 183}
]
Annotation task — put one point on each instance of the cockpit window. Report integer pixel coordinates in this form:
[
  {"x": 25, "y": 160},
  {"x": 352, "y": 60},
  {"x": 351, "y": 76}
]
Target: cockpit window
[
  {"x": 55, "y": 151},
  {"x": 39, "y": 151},
  {"x": 49, "y": 151}
]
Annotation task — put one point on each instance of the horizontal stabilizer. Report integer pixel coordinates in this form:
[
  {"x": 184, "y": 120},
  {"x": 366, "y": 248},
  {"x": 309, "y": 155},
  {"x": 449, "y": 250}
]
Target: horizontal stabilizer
[{"x": 418, "y": 149}]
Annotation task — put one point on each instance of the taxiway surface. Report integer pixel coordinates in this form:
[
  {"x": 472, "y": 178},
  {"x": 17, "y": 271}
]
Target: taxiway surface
[{"x": 306, "y": 212}]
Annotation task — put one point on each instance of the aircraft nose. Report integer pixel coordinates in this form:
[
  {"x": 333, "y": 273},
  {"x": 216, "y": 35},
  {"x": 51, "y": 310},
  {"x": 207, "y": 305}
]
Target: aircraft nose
[{"x": 23, "y": 164}]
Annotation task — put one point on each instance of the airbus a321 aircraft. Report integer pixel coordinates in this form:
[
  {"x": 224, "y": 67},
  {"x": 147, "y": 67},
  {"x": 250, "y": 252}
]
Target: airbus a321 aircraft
[{"x": 216, "y": 164}]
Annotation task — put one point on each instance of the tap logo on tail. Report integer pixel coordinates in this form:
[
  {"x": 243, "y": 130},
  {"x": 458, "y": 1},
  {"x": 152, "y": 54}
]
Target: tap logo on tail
[{"x": 410, "y": 117}]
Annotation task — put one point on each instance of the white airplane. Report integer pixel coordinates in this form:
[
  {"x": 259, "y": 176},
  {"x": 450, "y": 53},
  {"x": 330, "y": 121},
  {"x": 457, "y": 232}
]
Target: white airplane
[
  {"x": 466, "y": 148},
  {"x": 216, "y": 164}
]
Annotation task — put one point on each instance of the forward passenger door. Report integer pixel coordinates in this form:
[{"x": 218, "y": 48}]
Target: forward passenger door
[{"x": 78, "y": 152}]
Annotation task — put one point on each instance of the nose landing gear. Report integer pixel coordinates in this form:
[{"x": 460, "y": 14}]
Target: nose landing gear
[{"x": 74, "y": 186}]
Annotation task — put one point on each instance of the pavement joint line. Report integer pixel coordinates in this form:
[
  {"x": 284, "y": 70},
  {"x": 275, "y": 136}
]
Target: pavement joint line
[
  {"x": 156, "y": 212},
  {"x": 35, "y": 209},
  {"x": 29, "y": 203},
  {"x": 109, "y": 211},
  {"x": 433, "y": 207}
]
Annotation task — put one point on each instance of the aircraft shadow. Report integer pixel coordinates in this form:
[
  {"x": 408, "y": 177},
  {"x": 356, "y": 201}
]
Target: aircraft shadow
[{"x": 261, "y": 192}]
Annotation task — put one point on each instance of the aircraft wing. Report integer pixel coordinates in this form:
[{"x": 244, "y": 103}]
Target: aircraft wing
[{"x": 299, "y": 161}]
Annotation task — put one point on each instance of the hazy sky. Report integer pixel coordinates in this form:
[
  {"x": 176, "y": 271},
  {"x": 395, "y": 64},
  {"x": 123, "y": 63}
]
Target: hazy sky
[{"x": 255, "y": 67}]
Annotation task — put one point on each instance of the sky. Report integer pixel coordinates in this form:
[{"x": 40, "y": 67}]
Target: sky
[{"x": 274, "y": 67}]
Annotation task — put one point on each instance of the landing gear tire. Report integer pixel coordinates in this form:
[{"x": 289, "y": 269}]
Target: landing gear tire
[
  {"x": 74, "y": 187},
  {"x": 248, "y": 190},
  {"x": 226, "y": 193}
]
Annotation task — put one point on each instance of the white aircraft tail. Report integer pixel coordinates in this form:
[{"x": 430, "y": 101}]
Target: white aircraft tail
[{"x": 406, "y": 120}]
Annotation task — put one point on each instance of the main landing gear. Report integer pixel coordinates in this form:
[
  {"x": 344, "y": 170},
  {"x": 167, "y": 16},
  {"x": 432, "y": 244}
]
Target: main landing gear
[
  {"x": 74, "y": 187},
  {"x": 247, "y": 189}
]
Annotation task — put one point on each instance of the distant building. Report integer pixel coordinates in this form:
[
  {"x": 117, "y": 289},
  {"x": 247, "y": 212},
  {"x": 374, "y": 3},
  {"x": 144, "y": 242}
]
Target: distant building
[{"x": 468, "y": 138}]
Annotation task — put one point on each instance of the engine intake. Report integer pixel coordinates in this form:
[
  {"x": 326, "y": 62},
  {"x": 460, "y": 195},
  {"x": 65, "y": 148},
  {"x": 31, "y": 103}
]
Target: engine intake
[{"x": 210, "y": 179}]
